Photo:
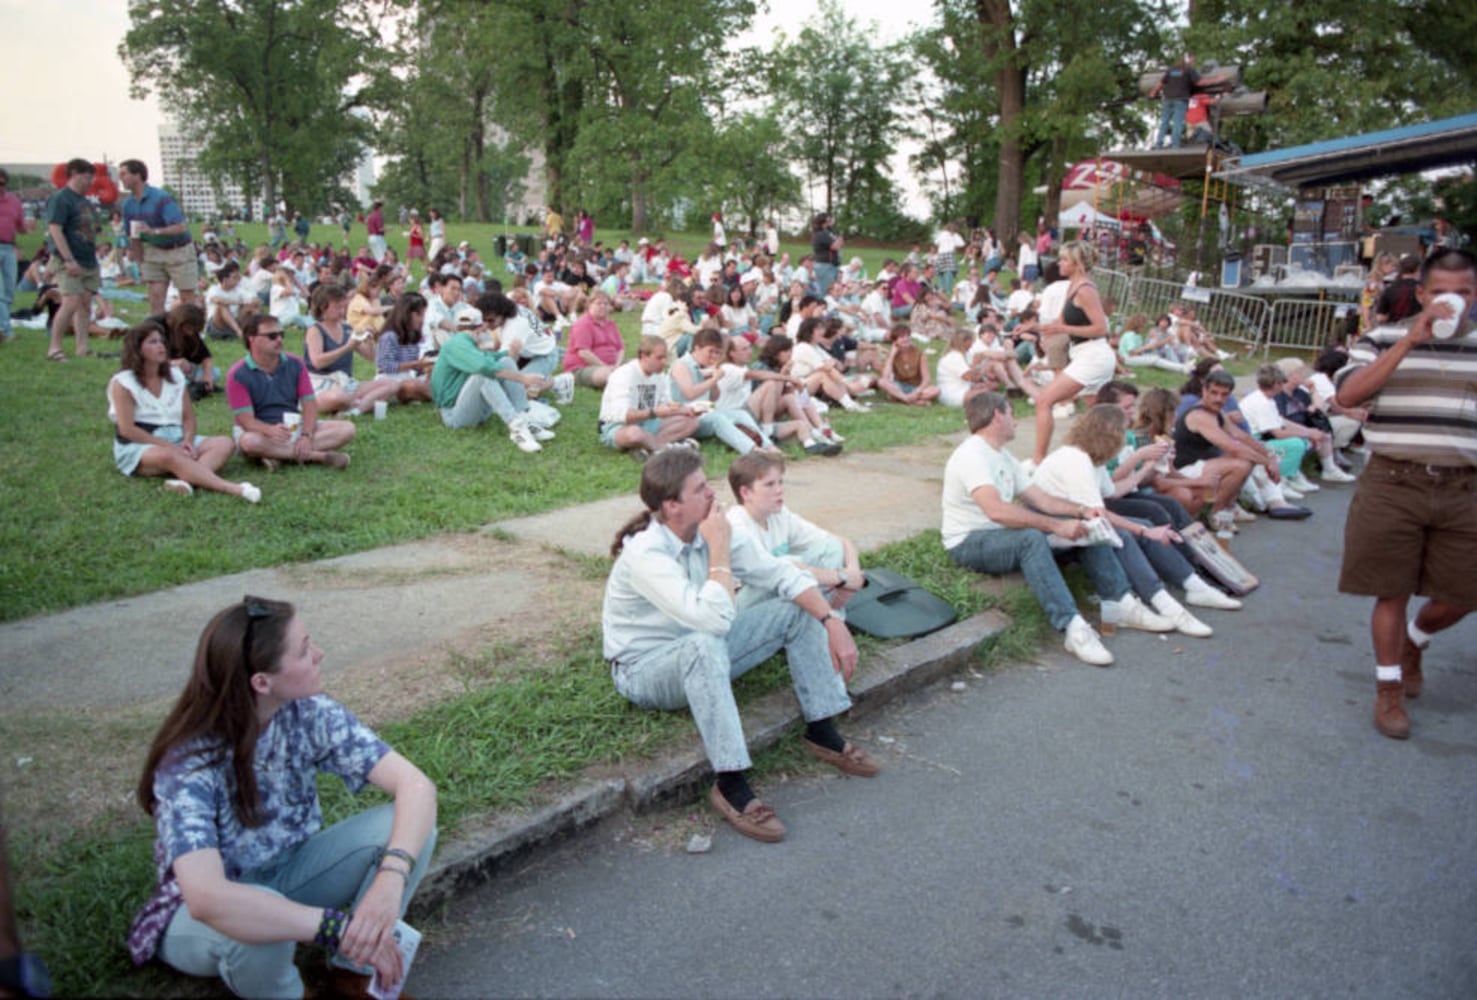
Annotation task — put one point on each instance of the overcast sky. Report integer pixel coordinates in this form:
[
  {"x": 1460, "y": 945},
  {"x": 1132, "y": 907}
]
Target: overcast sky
[{"x": 66, "y": 91}]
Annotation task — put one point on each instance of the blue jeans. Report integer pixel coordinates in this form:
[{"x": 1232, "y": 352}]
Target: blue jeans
[
  {"x": 1005, "y": 550},
  {"x": 332, "y": 868},
  {"x": 1172, "y": 121},
  {"x": 1149, "y": 565},
  {"x": 482, "y": 397},
  {"x": 697, "y": 672},
  {"x": 825, "y": 277},
  {"x": 7, "y": 287},
  {"x": 946, "y": 281},
  {"x": 724, "y": 425}
]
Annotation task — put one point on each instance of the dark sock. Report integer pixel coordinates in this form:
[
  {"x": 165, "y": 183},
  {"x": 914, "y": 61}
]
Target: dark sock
[
  {"x": 734, "y": 787},
  {"x": 823, "y": 733}
]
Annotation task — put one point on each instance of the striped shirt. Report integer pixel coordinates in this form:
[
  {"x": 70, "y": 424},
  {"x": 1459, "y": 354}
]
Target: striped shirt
[{"x": 1427, "y": 409}]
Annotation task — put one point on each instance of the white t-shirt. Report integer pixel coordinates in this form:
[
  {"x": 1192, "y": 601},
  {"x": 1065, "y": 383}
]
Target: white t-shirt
[
  {"x": 526, "y": 328},
  {"x": 655, "y": 312},
  {"x": 739, "y": 317},
  {"x": 707, "y": 270},
  {"x": 733, "y": 388},
  {"x": 806, "y": 358},
  {"x": 1027, "y": 256},
  {"x": 1053, "y": 301},
  {"x": 947, "y": 241},
  {"x": 232, "y": 299},
  {"x": 951, "y": 383},
  {"x": 975, "y": 464},
  {"x": 433, "y": 335},
  {"x": 630, "y": 389},
  {"x": 1019, "y": 300},
  {"x": 1260, "y": 412},
  {"x": 1322, "y": 388},
  {"x": 1068, "y": 473}
]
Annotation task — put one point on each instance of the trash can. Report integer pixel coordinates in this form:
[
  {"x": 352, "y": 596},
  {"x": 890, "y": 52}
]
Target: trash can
[
  {"x": 501, "y": 245},
  {"x": 525, "y": 243}
]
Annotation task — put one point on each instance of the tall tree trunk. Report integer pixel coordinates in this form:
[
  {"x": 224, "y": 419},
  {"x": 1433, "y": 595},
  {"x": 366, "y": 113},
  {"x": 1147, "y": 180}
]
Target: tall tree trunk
[
  {"x": 998, "y": 29},
  {"x": 638, "y": 202},
  {"x": 479, "y": 150},
  {"x": 1056, "y": 167},
  {"x": 464, "y": 177}
]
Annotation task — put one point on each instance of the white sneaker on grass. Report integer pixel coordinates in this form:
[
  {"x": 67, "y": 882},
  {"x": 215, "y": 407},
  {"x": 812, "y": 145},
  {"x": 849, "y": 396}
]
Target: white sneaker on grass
[
  {"x": 250, "y": 493},
  {"x": 522, "y": 435},
  {"x": 1082, "y": 642},
  {"x": 178, "y": 487}
]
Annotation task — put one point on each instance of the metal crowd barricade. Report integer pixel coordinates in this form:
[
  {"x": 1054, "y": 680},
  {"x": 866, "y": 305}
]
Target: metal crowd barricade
[
  {"x": 1305, "y": 324},
  {"x": 1113, "y": 285},
  {"x": 1226, "y": 315}
]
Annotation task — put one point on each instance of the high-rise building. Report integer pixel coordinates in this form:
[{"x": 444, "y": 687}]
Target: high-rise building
[{"x": 196, "y": 193}]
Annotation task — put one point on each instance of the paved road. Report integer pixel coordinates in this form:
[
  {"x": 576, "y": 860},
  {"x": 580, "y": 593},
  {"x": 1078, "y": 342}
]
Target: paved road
[{"x": 1209, "y": 818}]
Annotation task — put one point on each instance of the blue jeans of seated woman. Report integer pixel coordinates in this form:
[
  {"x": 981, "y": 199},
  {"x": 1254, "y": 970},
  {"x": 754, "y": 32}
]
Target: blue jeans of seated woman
[
  {"x": 333, "y": 868},
  {"x": 697, "y": 672},
  {"x": 723, "y": 425},
  {"x": 1005, "y": 550},
  {"x": 1155, "y": 509},
  {"x": 1150, "y": 564}
]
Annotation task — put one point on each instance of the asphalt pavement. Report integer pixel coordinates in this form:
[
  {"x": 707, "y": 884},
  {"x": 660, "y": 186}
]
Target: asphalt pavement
[{"x": 1207, "y": 818}]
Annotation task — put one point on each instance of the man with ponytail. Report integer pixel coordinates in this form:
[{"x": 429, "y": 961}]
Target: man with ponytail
[{"x": 674, "y": 638}]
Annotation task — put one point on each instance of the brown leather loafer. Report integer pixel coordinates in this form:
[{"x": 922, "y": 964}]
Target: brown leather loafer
[
  {"x": 1410, "y": 667},
  {"x": 852, "y": 759},
  {"x": 757, "y": 820}
]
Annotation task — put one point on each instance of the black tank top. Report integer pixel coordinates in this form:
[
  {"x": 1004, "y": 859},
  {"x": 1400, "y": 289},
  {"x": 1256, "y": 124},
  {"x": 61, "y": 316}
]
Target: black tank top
[
  {"x": 1189, "y": 446},
  {"x": 1074, "y": 315}
]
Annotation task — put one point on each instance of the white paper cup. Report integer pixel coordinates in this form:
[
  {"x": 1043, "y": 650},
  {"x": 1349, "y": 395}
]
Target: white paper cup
[
  {"x": 293, "y": 422},
  {"x": 135, "y": 228},
  {"x": 381, "y": 409},
  {"x": 1445, "y": 329}
]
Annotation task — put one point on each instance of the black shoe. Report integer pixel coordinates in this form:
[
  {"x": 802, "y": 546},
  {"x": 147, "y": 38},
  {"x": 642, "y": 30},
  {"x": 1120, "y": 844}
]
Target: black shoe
[{"x": 1289, "y": 513}]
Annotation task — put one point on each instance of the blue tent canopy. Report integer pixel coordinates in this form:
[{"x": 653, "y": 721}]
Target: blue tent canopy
[{"x": 1404, "y": 150}]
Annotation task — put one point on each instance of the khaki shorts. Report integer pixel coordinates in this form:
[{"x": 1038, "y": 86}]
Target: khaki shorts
[
  {"x": 586, "y": 376},
  {"x": 178, "y": 266},
  {"x": 90, "y": 280},
  {"x": 1412, "y": 531}
]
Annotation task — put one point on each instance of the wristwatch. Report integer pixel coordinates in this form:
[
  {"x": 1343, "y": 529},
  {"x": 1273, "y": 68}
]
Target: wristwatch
[
  {"x": 833, "y": 613},
  {"x": 25, "y": 974}
]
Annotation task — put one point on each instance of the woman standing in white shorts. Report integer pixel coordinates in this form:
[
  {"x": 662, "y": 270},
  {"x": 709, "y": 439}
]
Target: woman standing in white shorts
[{"x": 1090, "y": 359}]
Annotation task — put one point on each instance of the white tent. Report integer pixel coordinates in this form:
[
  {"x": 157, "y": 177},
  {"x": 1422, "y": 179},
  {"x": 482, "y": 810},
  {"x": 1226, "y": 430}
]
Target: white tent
[{"x": 1082, "y": 215}]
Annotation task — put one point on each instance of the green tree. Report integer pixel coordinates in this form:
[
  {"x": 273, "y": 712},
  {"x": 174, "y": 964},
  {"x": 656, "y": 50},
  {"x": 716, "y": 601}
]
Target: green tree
[
  {"x": 1332, "y": 69},
  {"x": 847, "y": 103},
  {"x": 277, "y": 91},
  {"x": 1031, "y": 86}
]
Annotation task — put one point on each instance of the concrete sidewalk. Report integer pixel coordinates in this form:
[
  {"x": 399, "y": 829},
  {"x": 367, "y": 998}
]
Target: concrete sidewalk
[{"x": 387, "y": 604}]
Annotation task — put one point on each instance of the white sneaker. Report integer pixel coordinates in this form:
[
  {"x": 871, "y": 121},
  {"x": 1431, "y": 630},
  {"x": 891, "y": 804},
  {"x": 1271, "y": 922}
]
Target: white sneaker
[
  {"x": 820, "y": 405},
  {"x": 1134, "y": 613},
  {"x": 178, "y": 487},
  {"x": 250, "y": 493},
  {"x": 1083, "y": 643},
  {"x": 1241, "y": 515},
  {"x": 1301, "y": 483},
  {"x": 1184, "y": 623},
  {"x": 831, "y": 434},
  {"x": 1200, "y": 594},
  {"x": 540, "y": 433},
  {"x": 522, "y": 435},
  {"x": 564, "y": 388},
  {"x": 1288, "y": 493},
  {"x": 1333, "y": 474},
  {"x": 852, "y": 406}
]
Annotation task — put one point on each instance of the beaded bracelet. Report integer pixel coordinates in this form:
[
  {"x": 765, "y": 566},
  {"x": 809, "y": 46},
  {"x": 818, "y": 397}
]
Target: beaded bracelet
[
  {"x": 331, "y": 928},
  {"x": 402, "y": 854}
]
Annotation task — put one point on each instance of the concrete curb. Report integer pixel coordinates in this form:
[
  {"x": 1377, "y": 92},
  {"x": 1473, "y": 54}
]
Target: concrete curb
[{"x": 479, "y": 854}]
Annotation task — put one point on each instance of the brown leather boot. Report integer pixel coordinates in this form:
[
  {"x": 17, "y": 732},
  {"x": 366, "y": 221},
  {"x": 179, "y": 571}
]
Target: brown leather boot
[
  {"x": 1389, "y": 710},
  {"x": 1410, "y": 667}
]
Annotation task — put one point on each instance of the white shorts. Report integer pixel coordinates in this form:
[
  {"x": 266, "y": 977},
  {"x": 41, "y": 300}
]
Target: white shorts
[{"x": 1091, "y": 364}]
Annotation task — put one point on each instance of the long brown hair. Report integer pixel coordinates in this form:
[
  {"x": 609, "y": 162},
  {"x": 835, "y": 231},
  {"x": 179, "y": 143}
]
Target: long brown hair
[
  {"x": 133, "y": 356},
  {"x": 218, "y": 704},
  {"x": 661, "y": 480},
  {"x": 185, "y": 323}
]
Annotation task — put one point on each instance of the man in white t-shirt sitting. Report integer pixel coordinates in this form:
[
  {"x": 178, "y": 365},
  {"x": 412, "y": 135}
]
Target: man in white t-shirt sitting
[
  {"x": 1288, "y": 440},
  {"x": 446, "y": 313},
  {"x": 986, "y": 528},
  {"x": 228, "y": 304},
  {"x": 637, "y": 413}
]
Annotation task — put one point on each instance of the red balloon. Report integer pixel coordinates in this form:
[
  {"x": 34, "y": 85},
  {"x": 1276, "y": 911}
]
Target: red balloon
[
  {"x": 107, "y": 190},
  {"x": 59, "y": 175},
  {"x": 100, "y": 169}
]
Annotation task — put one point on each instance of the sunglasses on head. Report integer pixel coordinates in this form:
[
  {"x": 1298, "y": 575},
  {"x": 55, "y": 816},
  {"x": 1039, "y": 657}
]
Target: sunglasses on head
[{"x": 255, "y": 612}]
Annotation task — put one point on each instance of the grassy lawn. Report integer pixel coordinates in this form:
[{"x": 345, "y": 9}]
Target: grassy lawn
[{"x": 75, "y": 532}]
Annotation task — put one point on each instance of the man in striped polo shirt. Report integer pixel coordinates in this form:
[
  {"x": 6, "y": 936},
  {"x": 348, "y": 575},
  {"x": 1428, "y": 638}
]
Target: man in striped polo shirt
[{"x": 1412, "y": 528}]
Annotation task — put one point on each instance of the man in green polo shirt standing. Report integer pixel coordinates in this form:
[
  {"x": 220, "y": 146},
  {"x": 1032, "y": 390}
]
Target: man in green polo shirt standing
[{"x": 71, "y": 224}]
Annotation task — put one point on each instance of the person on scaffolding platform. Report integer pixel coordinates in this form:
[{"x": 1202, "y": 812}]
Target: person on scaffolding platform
[{"x": 1175, "y": 87}]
